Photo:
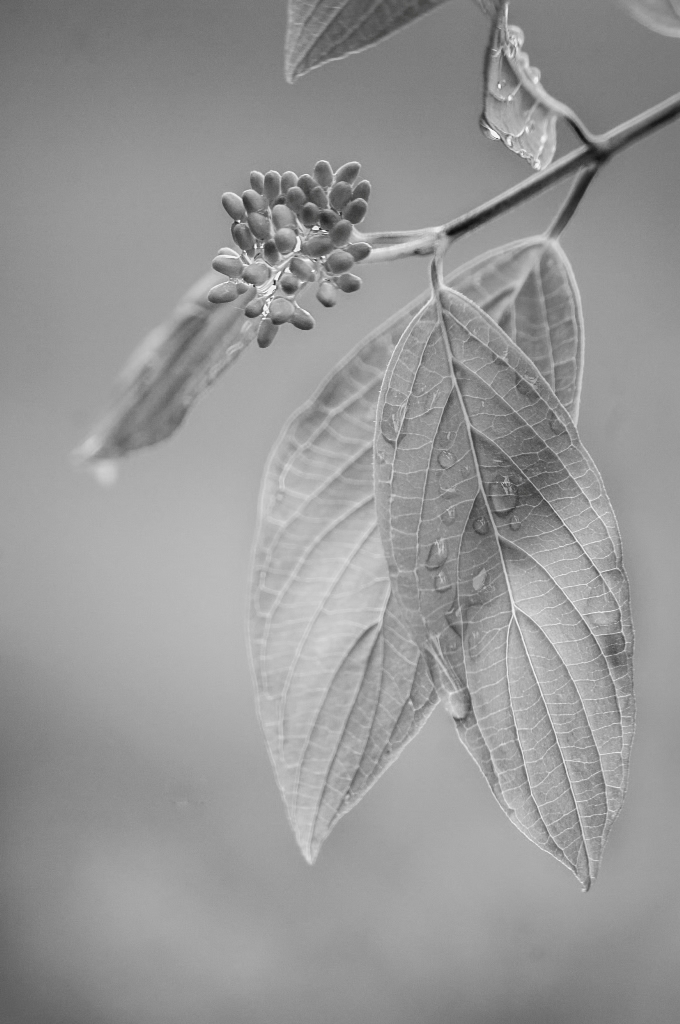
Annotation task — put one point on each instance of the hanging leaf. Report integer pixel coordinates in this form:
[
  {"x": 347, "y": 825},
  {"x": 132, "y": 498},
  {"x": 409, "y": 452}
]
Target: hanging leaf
[
  {"x": 661, "y": 16},
  {"x": 505, "y": 558},
  {"x": 517, "y": 109},
  {"x": 174, "y": 364},
  {"x": 323, "y": 30},
  {"x": 341, "y": 687}
]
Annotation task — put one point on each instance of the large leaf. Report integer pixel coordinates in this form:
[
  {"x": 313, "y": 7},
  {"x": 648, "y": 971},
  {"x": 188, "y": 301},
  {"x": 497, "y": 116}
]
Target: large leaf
[
  {"x": 323, "y": 30},
  {"x": 505, "y": 558},
  {"x": 341, "y": 687},
  {"x": 661, "y": 16},
  {"x": 174, "y": 364}
]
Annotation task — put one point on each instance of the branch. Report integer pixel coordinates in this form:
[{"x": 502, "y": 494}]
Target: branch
[{"x": 391, "y": 245}]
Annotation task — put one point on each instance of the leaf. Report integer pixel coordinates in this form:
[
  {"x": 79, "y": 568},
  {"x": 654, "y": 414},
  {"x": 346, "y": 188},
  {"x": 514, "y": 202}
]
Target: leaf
[
  {"x": 517, "y": 109},
  {"x": 661, "y": 16},
  {"x": 323, "y": 30},
  {"x": 174, "y": 364},
  {"x": 341, "y": 687},
  {"x": 506, "y": 561}
]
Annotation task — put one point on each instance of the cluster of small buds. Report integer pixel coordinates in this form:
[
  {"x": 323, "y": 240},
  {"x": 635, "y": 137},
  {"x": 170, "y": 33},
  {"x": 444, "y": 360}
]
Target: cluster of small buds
[{"x": 291, "y": 232}]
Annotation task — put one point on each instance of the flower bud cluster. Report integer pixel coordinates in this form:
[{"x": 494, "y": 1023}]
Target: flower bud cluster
[{"x": 292, "y": 232}]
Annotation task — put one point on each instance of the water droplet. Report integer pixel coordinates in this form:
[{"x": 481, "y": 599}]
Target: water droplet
[
  {"x": 442, "y": 582},
  {"x": 555, "y": 423},
  {"x": 515, "y": 523},
  {"x": 487, "y": 130},
  {"x": 391, "y": 422},
  {"x": 479, "y": 580},
  {"x": 503, "y": 494},
  {"x": 459, "y": 704},
  {"x": 449, "y": 514},
  {"x": 437, "y": 554},
  {"x": 447, "y": 481},
  {"x": 474, "y": 630},
  {"x": 446, "y": 459},
  {"x": 480, "y": 525},
  {"x": 380, "y": 455},
  {"x": 455, "y": 626},
  {"x": 526, "y": 385}
]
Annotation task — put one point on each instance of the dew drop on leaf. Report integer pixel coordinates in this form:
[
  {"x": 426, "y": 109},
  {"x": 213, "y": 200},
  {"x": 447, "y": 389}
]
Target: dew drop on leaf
[
  {"x": 480, "y": 525},
  {"x": 555, "y": 423},
  {"x": 391, "y": 422},
  {"x": 437, "y": 554},
  {"x": 449, "y": 514},
  {"x": 515, "y": 523},
  {"x": 459, "y": 704},
  {"x": 503, "y": 494},
  {"x": 479, "y": 580},
  {"x": 442, "y": 582},
  {"x": 446, "y": 459}
]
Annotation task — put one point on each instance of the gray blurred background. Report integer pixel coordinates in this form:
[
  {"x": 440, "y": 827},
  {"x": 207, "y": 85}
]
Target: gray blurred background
[{"x": 148, "y": 872}]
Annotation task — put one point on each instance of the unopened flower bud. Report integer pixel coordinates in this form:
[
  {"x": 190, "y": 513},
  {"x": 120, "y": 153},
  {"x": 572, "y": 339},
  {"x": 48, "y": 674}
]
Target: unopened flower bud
[
  {"x": 283, "y": 217},
  {"x": 303, "y": 320},
  {"x": 233, "y": 204},
  {"x": 359, "y": 250},
  {"x": 306, "y": 182},
  {"x": 230, "y": 266},
  {"x": 254, "y": 307},
  {"x": 302, "y": 268},
  {"x": 224, "y": 292},
  {"x": 270, "y": 252},
  {"x": 285, "y": 240},
  {"x": 341, "y": 232},
  {"x": 242, "y": 287},
  {"x": 289, "y": 283},
  {"x": 323, "y": 172},
  {"x": 258, "y": 273},
  {"x": 266, "y": 333},
  {"x": 340, "y": 195},
  {"x": 280, "y": 310},
  {"x": 257, "y": 181},
  {"x": 356, "y": 211},
  {"x": 260, "y": 225},
  {"x": 362, "y": 190},
  {"x": 318, "y": 195},
  {"x": 327, "y": 218},
  {"x": 318, "y": 244},
  {"x": 226, "y": 251},
  {"x": 348, "y": 172},
  {"x": 288, "y": 179},
  {"x": 242, "y": 235},
  {"x": 272, "y": 186},
  {"x": 337, "y": 263},
  {"x": 296, "y": 198},
  {"x": 327, "y": 294},
  {"x": 253, "y": 201},
  {"x": 310, "y": 215},
  {"x": 348, "y": 282}
]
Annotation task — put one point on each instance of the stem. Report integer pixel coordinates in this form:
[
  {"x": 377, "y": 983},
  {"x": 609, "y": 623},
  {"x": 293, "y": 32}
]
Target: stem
[
  {"x": 578, "y": 190},
  {"x": 395, "y": 245}
]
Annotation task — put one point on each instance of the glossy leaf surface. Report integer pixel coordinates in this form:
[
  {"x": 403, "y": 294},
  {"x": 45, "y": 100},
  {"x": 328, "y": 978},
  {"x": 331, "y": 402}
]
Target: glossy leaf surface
[
  {"x": 174, "y": 364},
  {"x": 341, "y": 686},
  {"x": 505, "y": 558},
  {"x": 661, "y": 16},
  {"x": 323, "y": 30},
  {"x": 517, "y": 109}
]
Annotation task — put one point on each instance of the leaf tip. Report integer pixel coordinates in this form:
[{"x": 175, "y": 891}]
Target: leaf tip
[{"x": 89, "y": 456}]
